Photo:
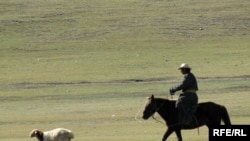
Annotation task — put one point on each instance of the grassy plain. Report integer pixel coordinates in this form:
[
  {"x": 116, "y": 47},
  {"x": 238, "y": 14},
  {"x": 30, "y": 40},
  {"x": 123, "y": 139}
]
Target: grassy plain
[{"x": 89, "y": 65}]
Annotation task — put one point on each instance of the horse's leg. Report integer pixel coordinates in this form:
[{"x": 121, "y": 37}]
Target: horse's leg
[
  {"x": 178, "y": 134},
  {"x": 167, "y": 133}
]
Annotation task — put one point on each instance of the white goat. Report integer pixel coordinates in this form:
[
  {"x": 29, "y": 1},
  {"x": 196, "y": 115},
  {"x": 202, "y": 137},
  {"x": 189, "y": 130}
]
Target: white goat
[{"x": 58, "y": 134}]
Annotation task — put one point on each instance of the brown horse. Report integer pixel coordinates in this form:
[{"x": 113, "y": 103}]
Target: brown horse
[{"x": 207, "y": 113}]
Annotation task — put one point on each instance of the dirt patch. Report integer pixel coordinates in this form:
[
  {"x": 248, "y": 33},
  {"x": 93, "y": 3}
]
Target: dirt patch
[{"x": 30, "y": 85}]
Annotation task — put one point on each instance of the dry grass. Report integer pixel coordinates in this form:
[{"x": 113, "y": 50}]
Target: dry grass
[{"x": 88, "y": 65}]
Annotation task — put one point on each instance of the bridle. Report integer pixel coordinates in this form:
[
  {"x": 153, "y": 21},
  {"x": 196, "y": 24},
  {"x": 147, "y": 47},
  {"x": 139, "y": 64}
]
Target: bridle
[{"x": 156, "y": 109}]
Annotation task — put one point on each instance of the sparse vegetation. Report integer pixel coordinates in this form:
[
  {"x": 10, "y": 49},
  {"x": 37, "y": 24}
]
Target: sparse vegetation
[{"x": 88, "y": 65}]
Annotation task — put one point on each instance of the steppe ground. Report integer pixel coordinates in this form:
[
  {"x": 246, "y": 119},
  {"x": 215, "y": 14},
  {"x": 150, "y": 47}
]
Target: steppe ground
[{"x": 88, "y": 65}]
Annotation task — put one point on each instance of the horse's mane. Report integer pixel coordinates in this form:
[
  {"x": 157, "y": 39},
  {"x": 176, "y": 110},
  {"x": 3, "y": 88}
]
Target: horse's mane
[
  {"x": 169, "y": 102},
  {"x": 165, "y": 99}
]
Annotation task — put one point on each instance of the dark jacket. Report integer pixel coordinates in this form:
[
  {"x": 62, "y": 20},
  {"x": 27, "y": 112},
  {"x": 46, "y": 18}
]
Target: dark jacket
[{"x": 189, "y": 83}]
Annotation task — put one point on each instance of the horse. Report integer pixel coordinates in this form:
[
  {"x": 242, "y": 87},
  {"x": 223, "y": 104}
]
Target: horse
[{"x": 207, "y": 113}]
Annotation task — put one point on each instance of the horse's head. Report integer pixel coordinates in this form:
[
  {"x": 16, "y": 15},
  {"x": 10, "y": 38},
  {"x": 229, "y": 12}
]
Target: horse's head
[{"x": 150, "y": 108}]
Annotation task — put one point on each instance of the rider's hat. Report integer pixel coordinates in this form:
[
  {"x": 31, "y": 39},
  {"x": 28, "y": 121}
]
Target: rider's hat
[{"x": 184, "y": 66}]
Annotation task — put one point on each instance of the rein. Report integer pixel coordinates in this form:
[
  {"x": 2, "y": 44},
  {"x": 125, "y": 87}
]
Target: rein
[{"x": 157, "y": 120}]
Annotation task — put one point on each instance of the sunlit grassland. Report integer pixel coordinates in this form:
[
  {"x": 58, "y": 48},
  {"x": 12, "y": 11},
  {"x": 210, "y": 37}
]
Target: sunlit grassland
[
  {"x": 89, "y": 65},
  {"x": 107, "y": 111},
  {"x": 57, "y": 40}
]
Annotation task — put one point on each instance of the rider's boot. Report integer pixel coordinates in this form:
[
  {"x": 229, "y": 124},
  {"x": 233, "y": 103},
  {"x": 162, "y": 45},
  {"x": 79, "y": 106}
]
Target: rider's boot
[{"x": 185, "y": 117}]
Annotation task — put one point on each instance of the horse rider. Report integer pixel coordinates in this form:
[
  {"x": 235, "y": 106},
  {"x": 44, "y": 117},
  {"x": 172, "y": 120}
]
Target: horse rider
[{"x": 188, "y": 99}]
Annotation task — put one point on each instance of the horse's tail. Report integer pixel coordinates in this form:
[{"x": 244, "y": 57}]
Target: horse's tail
[{"x": 225, "y": 116}]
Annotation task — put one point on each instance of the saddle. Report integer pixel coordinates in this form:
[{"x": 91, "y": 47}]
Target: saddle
[{"x": 190, "y": 117}]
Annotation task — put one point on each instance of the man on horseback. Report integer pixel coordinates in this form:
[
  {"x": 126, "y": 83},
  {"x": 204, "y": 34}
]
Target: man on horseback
[{"x": 188, "y": 99}]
